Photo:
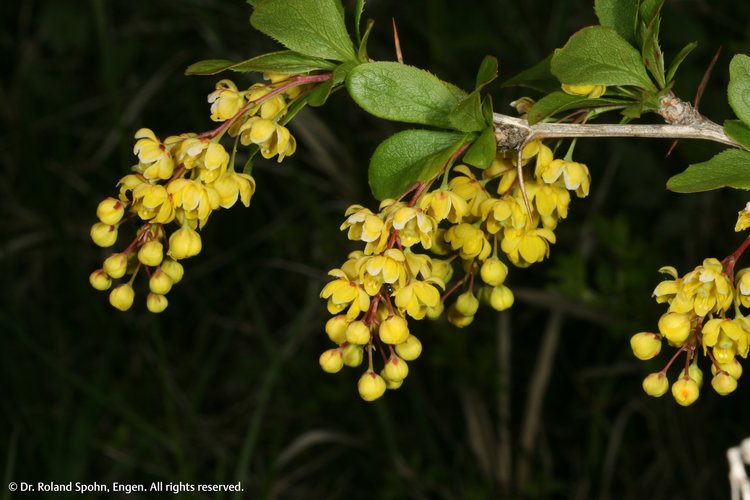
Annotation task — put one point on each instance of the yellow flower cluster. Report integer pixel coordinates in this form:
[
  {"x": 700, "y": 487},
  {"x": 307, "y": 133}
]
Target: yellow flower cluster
[
  {"x": 697, "y": 320},
  {"x": 184, "y": 179},
  {"x": 378, "y": 288}
]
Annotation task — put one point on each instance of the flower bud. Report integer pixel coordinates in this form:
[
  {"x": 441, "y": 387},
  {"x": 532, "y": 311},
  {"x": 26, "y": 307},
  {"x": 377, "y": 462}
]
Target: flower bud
[
  {"x": 656, "y": 384},
  {"x": 733, "y": 368},
  {"x": 494, "y": 271},
  {"x": 724, "y": 351},
  {"x": 457, "y": 319},
  {"x": 645, "y": 345},
  {"x": 353, "y": 355},
  {"x": 675, "y": 327},
  {"x": 151, "y": 253},
  {"x": 696, "y": 374},
  {"x": 501, "y": 298},
  {"x": 410, "y": 349},
  {"x": 370, "y": 386},
  {"x": 393, "y": 330},
  {"x": 116, "y": 265},
  {"x": 156, "y": 303},
  {"x": 121, "y": 296},
  {"x": 336, "y": 328},
  {"x": 110, "y": 211},
  {"x": 184, "y": 243},
  {"x": 99, "y": 280},
  {"x": 332, "y": 360},
  {"x": 467, "y": 304},
  {"x": 160, "y": 282},
  {"x": 173, "y": 269},
  {"x": 391, "y": 385},
  {"x": 723, "y": 383},
  {"x": 357, "y": 333},
  {"x": 103, "y": 235},
  {"x": 685, "y": 391},
  {"x": 435, "y": 312},
  {"x": 395, "y": 369}
]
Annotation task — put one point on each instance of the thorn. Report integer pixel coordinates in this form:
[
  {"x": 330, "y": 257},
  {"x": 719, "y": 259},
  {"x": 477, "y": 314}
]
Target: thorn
[
  {"x": 699, "y": 92},
  {"x": 397, "y": 42},
  {"x": 706, "y": 77}
]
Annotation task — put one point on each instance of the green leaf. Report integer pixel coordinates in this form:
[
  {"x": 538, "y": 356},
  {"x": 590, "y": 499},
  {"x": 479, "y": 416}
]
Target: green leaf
[
  {"x": 483, "y": 151},
  {"x": 286, "y": 62},
  {"x": 487, "y": 110},
  {"x": 681, "y": 55},
  {"x": 653, "y": 58},
  {"x": 730, "y": 168},
  {"x": 739, "y": 87},
  {"x": 362, "y": 51},
  {"x": 620, "y": 15},
  {"x": 599, "y": 56},
  {"x": 557, "y": 102},
  {"x": 208, "y": 67},
  {"x": 487, "y": 71},
  {"x": 403, "y": 93},
  {"x": 467, "y": 116},
  {"x": 738, "y": 131},
  {"x": 410, "y": 156},
  {"x": 648, "y": 11},
  {"x": 358, "y": 9},
  {"x": 538, "y": 77},
  {"x": 319, "y": 95},
  {"x": 311, "y": 27}
]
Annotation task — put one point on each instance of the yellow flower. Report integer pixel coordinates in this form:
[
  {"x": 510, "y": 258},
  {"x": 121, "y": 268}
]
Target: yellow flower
[
  {"x": 469, "y": 188},
  {"x": 727, "y": 337},
  {"x": 551, "y": 202},
  {"x": 232, "y": 186},
  {"x": 526, "y": 246},
  {"x": 390, "y": 268},
  {"x": 153, "y": 203},
  {"x": 155, "y": 162},
  {"x": 414, "y": 226},
  {"x": 590, "y": 91},
  {"x": 270, "y": 109},
  {"x": 685, "y": 391},
  {"x": 444, "y": 204},
  {"x": 573, "y": 175},
  {"x": 416, "y": 297},
  {"x": 272, "y": 139},
  {"x": 366, "y": 226},
  {"x": 208, "y": 158},
  {"x": 196, "y": 199},
  {"x": 469, "y": 240},
  {"x": 226, "y": 101},
  {"x": 344, "y": 292},
  {"x": 504, "y": 212},
  {"x": 743, "y": 219},
  {"x": 706, "y": 289}
]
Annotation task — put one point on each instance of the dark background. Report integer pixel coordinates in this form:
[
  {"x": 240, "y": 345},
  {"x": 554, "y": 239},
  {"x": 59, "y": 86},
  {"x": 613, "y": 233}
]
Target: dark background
[{"x": 541, "y": 402}]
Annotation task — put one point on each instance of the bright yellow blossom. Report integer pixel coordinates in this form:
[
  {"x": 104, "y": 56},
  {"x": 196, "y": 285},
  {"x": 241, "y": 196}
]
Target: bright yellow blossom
[{"x": 155, "y": 162}]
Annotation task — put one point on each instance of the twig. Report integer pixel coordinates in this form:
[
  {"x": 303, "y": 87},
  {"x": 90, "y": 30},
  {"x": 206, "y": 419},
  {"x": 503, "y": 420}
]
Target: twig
[{"x": 683, "y": 122}]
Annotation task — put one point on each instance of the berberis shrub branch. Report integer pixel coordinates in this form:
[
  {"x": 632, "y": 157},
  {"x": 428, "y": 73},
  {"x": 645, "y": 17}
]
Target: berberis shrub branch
[{"x": 464, "y": 196}]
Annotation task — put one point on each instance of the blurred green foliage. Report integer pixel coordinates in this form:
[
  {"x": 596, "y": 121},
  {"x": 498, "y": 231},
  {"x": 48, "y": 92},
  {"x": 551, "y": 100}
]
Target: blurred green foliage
[{"x": 225, "y": 386}]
